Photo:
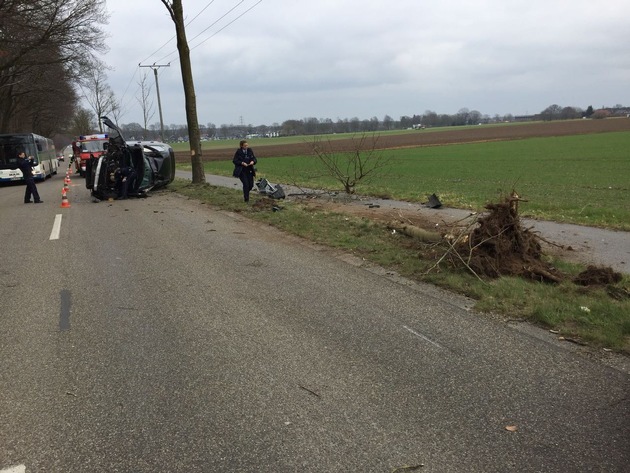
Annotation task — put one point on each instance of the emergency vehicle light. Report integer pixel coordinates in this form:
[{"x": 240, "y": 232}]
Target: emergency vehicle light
[{"x": 100, "y": 136}]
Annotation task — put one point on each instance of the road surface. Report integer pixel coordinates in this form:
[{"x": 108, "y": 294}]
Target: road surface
[{"x": 161, "y": 335}]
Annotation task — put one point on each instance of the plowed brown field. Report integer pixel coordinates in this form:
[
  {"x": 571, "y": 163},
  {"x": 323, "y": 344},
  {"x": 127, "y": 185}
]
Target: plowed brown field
[{"x": 436, "y": 137}]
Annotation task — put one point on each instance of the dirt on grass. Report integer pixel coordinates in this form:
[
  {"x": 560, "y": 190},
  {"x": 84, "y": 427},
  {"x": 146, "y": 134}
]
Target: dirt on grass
[{"x": 597, "y": 276}]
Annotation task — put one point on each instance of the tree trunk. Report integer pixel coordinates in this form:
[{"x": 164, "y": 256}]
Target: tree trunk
[{"x": 194, "y": 136}]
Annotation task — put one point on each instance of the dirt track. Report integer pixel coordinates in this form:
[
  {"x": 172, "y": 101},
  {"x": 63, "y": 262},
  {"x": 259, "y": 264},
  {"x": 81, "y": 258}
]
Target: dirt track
[{"x": 438, "y": 137}]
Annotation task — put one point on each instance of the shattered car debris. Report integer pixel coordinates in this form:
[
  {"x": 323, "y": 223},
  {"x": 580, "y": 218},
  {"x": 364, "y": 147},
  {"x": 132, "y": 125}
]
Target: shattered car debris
[
  {"x": 129, "y": 169},
  {"x": 270, "y": 190}
]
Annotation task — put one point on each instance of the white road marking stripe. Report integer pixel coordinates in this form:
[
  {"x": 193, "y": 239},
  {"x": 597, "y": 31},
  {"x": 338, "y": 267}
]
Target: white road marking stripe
[
  {"x": 422, "y": 336},
  {"x": 14, "y": 469},
  {"x": 54, "y": 235}
]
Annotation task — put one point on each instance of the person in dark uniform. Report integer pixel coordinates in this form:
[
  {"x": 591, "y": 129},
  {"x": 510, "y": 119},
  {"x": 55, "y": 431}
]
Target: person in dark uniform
[
  {"x": 244, "y": 161},
  {"x": 26, "y": 166},
  {"x": 127, "y": 180}
]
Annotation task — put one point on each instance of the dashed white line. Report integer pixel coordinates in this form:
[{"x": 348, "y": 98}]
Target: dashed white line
[
  {"x": 14, "y": 469},
  {"x": 422, "y": 337},
  {"x": 54, "y": 234}
]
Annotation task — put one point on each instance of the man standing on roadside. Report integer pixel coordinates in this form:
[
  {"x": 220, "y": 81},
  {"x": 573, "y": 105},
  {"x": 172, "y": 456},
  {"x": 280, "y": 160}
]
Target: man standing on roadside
[{"x": 26, "y": 166}]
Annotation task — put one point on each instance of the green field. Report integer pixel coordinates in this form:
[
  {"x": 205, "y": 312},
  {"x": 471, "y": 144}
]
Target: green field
[{"x": 582, "y": 179}]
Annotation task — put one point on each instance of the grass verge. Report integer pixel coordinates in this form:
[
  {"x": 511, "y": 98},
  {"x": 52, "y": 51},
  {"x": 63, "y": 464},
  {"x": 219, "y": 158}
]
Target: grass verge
[
  {"x": 596, "y": 316},
  {"x": 580, "y": 179}
]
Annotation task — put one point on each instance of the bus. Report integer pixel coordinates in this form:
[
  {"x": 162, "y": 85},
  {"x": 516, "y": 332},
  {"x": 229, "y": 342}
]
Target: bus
[{"x": 40, "y": 148}]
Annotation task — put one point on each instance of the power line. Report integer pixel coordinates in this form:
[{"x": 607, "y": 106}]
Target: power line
[
  {"x": 174, "y": 36},
  {"x": 195, "y": 37},
  {"x": 214, "y": 23},
  {"x": 129, "y": 84},
  {"x": 219, "y": 19},
  {"x": 161, "y": 47},
  {"x": 217, "y": 32},
  {"x": 202, "y": 10}
]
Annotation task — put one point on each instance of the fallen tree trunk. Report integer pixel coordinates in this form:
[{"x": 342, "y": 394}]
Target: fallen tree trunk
[{"x": 416, "y": 232}]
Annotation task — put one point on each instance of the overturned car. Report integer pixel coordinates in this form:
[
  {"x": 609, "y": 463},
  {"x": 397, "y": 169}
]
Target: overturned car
[{"x": 129, "y": 169}]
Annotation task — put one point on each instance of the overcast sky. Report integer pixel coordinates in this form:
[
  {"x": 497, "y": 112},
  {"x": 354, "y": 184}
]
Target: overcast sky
[{"x": 264, "y": 62}]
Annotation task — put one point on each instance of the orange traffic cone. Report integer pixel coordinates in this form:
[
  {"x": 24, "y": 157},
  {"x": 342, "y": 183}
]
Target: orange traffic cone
[
  {"x": 65, "y": 203},
  {"x": 65, "y": 186}
]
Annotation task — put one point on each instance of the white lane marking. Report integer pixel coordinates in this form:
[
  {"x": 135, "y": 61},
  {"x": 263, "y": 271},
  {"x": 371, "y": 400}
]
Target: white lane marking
[
  {"x": 56, "y": 229},
  {"x": 422, "y": 336},
  {"x": 14, "y": 469}
]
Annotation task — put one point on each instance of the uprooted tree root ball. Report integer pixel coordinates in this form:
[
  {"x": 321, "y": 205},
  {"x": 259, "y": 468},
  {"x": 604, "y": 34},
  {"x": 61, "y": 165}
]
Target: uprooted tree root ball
[{"x": 498, "y": 245}]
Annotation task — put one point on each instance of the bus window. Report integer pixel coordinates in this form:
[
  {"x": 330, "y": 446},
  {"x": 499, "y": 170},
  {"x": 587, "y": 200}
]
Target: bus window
[{"x": 39, "y": 147}]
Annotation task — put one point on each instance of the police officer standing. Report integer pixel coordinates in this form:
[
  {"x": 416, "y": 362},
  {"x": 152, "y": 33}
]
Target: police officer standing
[{"x": 26, "y": 166}]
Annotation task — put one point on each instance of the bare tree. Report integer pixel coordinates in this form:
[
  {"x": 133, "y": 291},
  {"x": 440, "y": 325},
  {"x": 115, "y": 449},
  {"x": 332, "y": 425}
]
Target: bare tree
[
  {"x": 362, "y": 161},
  {"x": 83, "y": 122},
  {"x": 116, "y": 109},
  {"x": 97, "y": 92},
  {"x": 176, "y": 11},
  {"x": 41, "y": 105},
  {"x": 44, "y": 38},
  {"x": 145, "y": 101}
]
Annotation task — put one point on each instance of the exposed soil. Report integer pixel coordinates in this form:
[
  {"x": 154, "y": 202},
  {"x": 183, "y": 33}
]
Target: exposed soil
[
  {"x": 596, "y": 276},
  {"x": 436, "y": 137}
]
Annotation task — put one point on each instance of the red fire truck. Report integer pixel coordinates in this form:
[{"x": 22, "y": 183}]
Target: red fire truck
[{"x": 86, "y": 147}]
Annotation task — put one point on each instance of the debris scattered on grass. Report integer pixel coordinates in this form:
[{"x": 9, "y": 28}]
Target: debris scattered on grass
[{"x": 572, "y": 340}]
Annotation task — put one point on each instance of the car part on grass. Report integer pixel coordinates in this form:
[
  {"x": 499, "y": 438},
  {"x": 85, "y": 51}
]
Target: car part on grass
[{"x": 270, "y": 190}]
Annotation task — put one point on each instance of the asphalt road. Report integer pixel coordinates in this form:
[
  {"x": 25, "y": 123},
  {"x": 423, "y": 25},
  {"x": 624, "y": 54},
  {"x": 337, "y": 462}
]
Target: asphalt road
[{"x": 161, "y": 335}]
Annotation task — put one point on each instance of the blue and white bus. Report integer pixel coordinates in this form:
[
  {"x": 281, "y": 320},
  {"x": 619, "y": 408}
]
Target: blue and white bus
[{"x": 40, "y": 148}]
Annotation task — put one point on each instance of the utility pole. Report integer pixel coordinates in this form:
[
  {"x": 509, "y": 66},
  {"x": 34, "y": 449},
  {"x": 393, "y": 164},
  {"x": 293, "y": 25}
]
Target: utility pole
[
  {"x": 155, "y": 68},
  {"x": 176, "y": 11}
]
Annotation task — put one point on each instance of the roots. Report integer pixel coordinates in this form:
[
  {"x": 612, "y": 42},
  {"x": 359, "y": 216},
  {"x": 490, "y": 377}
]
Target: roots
[{"x": 497, "y": 244}]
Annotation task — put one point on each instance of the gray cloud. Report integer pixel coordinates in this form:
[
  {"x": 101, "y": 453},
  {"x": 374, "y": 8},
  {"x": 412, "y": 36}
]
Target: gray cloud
[{"x": 340, "y": 59}]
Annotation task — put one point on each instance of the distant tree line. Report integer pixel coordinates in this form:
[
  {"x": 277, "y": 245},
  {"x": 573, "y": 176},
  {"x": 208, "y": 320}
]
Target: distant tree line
[
  {"x": 556, "y": 112},
  {"x": 315, "y": 126}
]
